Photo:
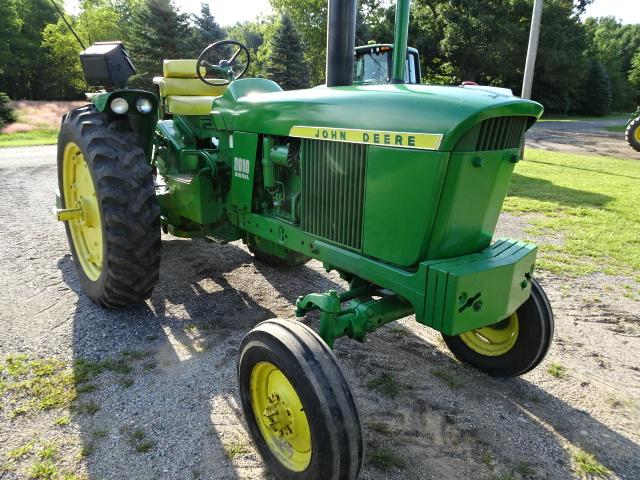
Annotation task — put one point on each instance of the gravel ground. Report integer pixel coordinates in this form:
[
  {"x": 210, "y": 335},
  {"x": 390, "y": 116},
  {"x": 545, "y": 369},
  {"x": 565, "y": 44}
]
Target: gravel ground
[
  {"x": 589, "y": 137},
  {"x": 176, "y": 414}
]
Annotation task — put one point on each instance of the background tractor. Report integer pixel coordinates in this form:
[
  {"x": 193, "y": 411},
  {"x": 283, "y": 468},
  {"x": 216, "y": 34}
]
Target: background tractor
[
  {"x": 397, "y": 186},
  {"x": 632, "y": 132}
]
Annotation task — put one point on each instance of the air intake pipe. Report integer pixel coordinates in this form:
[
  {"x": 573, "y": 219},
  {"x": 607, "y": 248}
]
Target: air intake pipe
[{"x": 341, "y": 38}]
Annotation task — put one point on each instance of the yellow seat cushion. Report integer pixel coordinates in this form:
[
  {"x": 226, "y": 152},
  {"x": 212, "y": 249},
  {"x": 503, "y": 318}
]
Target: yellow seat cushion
[
  {"x": 180, "y": 69},
  {"x": 187, "y": 86},
  {"x": 190, "y": 105}
]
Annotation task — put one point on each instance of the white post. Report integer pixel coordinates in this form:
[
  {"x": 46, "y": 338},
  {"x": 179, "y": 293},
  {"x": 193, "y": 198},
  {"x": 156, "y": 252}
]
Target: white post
[{"x": 532, "y": 50}]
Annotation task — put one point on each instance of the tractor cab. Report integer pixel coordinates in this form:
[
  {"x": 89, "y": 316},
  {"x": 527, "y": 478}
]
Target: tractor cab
[{"x": 373, "y": 64}]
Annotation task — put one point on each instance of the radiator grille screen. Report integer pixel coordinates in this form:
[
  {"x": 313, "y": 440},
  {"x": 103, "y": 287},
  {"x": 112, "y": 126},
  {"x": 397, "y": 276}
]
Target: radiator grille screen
[
  {"x": 333, "y": 178},
  {"x": 501, "y": 133}
]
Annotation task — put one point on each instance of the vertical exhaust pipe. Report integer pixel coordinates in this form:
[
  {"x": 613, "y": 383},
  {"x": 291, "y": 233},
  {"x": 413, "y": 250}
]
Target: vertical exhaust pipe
[
  {"x": 341, "y": 39},
  {"x": 401, "y": 32}
]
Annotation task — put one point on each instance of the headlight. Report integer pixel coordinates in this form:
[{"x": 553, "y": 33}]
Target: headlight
[
  {"x": 119, "y": 106},
  {"x": 144, "y": 105}
]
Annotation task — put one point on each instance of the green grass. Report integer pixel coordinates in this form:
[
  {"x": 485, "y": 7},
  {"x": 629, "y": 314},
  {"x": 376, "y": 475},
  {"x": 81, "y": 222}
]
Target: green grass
[
  {"x": 587, "y": 205},
  {"x": 616, "y": 128},
  {"x": 583, "y": 118},
  {"x": 235, "y": 448},
  {"x": 557, "y": 370},
  {"x": 452, "y": 380},
  {"x": 384, "y": 458},
  {"x": 28, "y": 139},
  {"x": 586, "y": 466},
  {"x": 137, "y": 439},
  {"x": 386, "y": 385}
]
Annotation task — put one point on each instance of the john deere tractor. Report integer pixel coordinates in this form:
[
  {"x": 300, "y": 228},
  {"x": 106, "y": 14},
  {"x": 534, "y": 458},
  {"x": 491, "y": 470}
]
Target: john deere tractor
[
  {"x": 395, "y": 185},
  {"x": 632, "y": 132}
]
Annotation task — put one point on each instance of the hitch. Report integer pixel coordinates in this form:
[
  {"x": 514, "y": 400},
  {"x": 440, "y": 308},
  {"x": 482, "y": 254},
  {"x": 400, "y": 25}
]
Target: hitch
[{"x": 368, "y": 308}]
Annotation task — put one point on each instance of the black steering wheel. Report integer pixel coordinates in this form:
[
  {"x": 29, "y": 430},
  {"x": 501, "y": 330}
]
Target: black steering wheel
[{"x": 212, "y": 60}]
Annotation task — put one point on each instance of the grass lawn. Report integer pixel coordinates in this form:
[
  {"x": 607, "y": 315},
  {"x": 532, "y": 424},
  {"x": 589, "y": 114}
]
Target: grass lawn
[
  {"x": 26, "y": 139},
  {"x": 590, "y": 210},
  {"x": 582, "y": 118}
]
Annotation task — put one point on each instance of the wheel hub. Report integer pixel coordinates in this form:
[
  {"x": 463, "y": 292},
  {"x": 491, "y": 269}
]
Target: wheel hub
[
  {"x": 82, "y": 211},
  {"x": 278, "y": 417}
]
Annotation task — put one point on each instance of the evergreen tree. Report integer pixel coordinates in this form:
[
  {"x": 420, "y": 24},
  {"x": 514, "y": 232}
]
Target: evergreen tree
[
  {"x": 159, "y": 32},
  {"x": 597, "y": 90},
  {"x": 285, "y": 63},
  {"x": 7, "y": 115},
  {"x": 206, "y": 31}
]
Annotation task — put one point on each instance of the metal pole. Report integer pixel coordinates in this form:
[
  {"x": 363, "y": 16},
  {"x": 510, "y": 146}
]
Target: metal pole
[
  {"x": 401, "y": 32},
  {"x": 534, "y": 34}
]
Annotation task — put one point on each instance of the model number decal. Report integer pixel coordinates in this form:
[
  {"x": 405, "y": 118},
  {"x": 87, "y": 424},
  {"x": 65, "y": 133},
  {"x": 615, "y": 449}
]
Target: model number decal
[
  {"x": 423, "y": 141},
  {"x": 241, "y": 168}
]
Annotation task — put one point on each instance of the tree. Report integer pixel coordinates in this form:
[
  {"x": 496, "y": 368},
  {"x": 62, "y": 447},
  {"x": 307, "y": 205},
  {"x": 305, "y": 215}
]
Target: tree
[
  {"x": 7, "y": 115},
  {"x": 634, "y": 76},
  {"x": 285, "y": 62},
  {"x": 310, "y": 20},
  {"x": 597, "y": 90},
  {"x": 614, "y": 45},
  {"x": 206, "y": 31},
  {"x": 159, "y": 32},
  {"x": 10, "y": 24}
]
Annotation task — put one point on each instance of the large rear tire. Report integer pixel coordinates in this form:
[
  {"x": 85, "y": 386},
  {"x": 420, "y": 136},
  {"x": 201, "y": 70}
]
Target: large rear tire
[
  {"x": 298, "y": 404},
  {"x": 115, "y": 242},
  {"x": 632, "y": 133},
  {"x": 513, "y": 346}
]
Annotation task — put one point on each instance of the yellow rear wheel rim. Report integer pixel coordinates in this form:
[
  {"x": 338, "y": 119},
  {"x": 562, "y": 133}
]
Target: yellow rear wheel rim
[
  {"x": 79, "y": 192},
  {"x": 493, "y": 340},
  {"x": 280, "y": 416},
  {"x": 636, "y": 133}
]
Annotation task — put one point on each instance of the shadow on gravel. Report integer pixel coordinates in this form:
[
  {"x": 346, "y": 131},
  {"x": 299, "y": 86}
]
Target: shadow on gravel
[
  {"x": 460, "y": 406},
  {"x": 546, "y": 191},
  {"x": 172, "y": 411},
  {"x": 163, "y": 402}
]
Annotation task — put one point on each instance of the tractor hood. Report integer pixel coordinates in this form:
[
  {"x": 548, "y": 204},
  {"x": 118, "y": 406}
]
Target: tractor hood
[{"x": 446, "y": 113}]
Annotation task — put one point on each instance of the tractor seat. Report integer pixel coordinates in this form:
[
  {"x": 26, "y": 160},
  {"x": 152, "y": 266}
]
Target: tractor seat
[{"x": 181, "y": 90}]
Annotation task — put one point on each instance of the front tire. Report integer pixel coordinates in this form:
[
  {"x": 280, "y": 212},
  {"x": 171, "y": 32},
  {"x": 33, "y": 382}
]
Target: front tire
[
  {"x": 513, "y": 346},
  {"x": 115, "y": 242},
  {"x": 298, "y": 405},
  {"x": 632, "y": 134}
]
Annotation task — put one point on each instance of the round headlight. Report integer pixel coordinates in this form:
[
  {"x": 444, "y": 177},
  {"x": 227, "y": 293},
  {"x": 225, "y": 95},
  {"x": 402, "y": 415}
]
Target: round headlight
[
  {"x": 119, "y": 106},
  {"x": 144, "y": 105}
]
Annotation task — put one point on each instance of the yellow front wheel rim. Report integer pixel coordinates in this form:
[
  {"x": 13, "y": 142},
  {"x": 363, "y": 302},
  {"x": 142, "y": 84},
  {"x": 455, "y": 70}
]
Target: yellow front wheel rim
[
  {"x": 280, "y": 416},
  {"x": 493, "y": 340},
  {"x": 636, "y": 134},
  {"x": 86, "y": 229}
]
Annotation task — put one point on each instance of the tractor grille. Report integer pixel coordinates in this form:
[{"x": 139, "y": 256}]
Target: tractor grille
[
  {"x": 333, "y": 177},
  {"x": 501, "y": 133}
]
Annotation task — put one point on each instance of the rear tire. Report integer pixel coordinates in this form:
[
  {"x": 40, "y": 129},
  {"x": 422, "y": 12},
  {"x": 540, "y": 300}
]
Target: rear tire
[
  {"x": 632, "y": 134},
  {"x": 285, "y": 362},
  {"x": 534, "y": 330},
  {"x": 120, "y": 264}
]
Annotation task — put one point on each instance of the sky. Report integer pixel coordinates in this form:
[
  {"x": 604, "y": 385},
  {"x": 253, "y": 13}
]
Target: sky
[{"x": 228, "y": 12}]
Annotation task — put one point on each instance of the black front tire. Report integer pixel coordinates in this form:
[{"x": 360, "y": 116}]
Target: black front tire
[
  {"x": 536, "y": 327},
  {"x": 313, "y": 371},
  {"x": 632, "y": 135},
  {"x": 128, "y": 210}
]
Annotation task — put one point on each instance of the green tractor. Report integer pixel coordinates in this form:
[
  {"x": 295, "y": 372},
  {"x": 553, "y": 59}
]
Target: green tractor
[
  {"x": 632, "y": 132},
  {"x": 396, "y": 185}
]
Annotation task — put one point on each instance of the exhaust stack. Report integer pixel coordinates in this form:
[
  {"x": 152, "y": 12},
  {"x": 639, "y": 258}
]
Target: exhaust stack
[
  {"x": 401, "y": 32},
  {"x": 341, "y": 39}
]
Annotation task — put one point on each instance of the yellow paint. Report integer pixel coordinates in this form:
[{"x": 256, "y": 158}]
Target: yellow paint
[
  {"x": 86, "y": 227},
  {"x": 422, "y": 141},
  {"x": 280, "y": 416},
  {"x": 637, "y": 134},
  {"x": 494, "y": 340}
]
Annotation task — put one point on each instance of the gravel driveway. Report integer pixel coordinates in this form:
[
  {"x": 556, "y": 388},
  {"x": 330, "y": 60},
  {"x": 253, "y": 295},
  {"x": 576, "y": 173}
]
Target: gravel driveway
[
  {"x": 588, "y": 137},
  {"x": 173, "y": 412}
]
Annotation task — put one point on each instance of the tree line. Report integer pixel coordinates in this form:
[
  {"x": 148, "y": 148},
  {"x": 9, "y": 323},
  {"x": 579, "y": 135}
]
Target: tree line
[{"x": 590, "y": 66}]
